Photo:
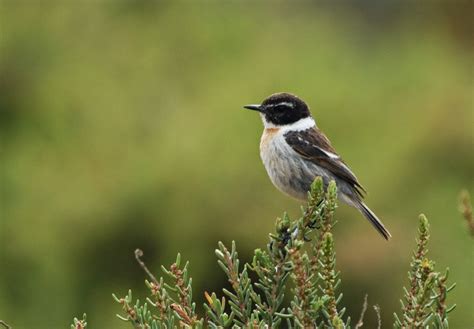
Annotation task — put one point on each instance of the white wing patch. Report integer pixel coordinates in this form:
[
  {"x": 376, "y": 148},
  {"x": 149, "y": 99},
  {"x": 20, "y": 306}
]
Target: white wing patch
[{"x": 328, "y": 154}]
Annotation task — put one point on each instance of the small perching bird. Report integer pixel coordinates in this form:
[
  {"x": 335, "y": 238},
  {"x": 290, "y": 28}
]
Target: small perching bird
[{"x": 294, "y": 152}]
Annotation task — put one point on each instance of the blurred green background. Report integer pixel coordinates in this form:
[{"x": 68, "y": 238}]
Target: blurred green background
[{"x": 122, "y": 127}]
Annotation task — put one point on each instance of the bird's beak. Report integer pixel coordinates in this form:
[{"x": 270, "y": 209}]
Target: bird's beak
[{"x": 254, "y": 107}]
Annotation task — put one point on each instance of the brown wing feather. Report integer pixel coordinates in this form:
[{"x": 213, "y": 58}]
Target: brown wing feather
[{"x": 316, "y": 147}]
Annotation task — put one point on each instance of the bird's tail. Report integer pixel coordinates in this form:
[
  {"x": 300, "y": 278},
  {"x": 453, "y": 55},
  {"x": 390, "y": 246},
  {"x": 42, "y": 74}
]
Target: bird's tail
[{"x": 373, "y": 219}]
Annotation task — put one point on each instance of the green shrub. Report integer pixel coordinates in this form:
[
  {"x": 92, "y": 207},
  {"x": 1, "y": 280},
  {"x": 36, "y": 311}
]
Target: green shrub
[{"x": 299, "y": 260}]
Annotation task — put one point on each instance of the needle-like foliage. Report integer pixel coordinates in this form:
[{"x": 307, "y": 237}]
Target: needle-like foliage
[
  {"x": 76, "y": 324},
  {"x": 424, "y": 303},
  {"x": 299, "y": 263}
]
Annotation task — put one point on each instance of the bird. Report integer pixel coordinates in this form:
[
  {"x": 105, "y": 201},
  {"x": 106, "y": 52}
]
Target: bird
[{"x": 295, "y": 151}]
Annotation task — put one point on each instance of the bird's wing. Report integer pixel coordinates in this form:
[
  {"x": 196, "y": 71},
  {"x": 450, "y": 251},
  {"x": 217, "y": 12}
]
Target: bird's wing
[{"x": 314, "y": 146}]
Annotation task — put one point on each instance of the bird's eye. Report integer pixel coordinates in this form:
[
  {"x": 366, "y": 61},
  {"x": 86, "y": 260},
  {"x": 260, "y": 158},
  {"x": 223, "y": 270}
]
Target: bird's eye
[{"x": 280, "y": 108}]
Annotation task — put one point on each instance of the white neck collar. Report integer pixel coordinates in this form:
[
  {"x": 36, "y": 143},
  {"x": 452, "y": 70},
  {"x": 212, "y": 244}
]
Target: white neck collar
[{"x": 300, "y": 125}]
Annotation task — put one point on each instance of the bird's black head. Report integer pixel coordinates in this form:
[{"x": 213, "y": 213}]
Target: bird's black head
[{"x": 282, "y": 109}]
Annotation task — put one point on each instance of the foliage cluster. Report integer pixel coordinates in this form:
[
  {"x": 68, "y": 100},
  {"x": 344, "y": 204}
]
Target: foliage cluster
[{"x": 299, "y": 260}]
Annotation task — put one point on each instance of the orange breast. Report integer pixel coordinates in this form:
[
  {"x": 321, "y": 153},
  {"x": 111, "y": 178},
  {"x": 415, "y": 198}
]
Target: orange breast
[{"x": 267, "y": 136}]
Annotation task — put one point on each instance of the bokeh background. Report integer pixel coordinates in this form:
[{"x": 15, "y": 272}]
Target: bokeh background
[{"x": 122, "y": 127}]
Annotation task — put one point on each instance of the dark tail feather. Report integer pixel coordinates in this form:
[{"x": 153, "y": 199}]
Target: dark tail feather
[{"x": 374, "y": 220}]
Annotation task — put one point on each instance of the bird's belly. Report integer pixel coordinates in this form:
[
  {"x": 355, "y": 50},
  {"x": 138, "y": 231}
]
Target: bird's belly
[{"x": 290, "y": 173}]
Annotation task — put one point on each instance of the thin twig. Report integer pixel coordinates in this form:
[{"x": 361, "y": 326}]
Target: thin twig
[
  {"x": 5, "y": 324},
  {"x": 364, "y": 309},
  {"x": 465, "y": 207},
  {"x": 138, "y": 254},
  {"x": 379, "y": 318}
]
